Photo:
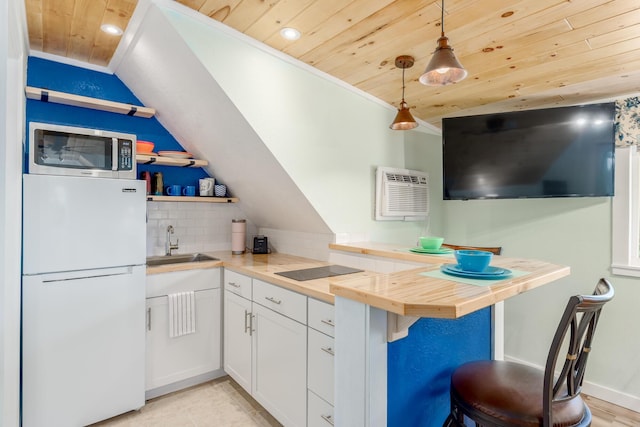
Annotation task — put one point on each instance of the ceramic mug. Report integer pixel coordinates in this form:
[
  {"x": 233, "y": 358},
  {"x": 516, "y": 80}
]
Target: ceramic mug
[
  {"x": 206, "y": 186},
  {"x": 174, "y": 190},
  {"x": 220, "y": 190},
  {"x": 189, "y": 190}
]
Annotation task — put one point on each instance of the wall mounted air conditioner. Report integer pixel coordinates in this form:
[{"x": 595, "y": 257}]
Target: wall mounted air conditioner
[{"x": 401, "y": 195}]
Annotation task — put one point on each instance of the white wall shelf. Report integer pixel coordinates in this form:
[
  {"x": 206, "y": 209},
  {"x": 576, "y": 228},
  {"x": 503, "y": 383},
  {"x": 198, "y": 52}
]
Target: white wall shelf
[
  {"x": 170, "y": 161},
  {"x": 47, "y": 95},
  {"x": 152, "y": 198},
  {"x": 148, "y": 159}
]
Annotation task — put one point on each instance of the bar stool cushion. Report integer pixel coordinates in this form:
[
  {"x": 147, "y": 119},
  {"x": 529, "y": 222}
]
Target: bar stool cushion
[{"x": 512, "y": 393}]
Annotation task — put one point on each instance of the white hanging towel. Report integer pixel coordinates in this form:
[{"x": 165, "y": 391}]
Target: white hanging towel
[{"x": 182, "y": 314}]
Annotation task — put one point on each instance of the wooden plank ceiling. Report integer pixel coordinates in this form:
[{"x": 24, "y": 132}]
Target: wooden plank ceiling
[{"x": 520, "y": 54}]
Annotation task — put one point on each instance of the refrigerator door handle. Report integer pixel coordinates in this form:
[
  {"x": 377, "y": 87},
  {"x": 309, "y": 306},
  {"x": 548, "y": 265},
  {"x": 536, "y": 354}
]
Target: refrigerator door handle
[{"x": 89, "y": 274}]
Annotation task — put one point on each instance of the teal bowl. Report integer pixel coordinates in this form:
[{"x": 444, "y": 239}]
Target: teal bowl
[{"x": 472, "y": 260}]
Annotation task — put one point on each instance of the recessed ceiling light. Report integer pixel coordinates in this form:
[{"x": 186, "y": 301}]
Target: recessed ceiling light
[
  {"x": 111, "y": 29},
  {"x": 290, "y": 33}
]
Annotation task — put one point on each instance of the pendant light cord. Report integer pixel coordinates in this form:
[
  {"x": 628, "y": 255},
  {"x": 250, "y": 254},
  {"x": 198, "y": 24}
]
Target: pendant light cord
[
  {"x": 403, "y": 68},
  {"x": 442, "y": 18}
]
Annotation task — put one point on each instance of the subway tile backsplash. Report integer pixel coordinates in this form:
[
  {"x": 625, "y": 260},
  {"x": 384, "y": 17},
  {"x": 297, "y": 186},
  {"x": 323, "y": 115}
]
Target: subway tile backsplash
[
  {"x": 206, "y": 227},
  {"x": 308, "y": 245},
  {"x": 200, "y": 227}
]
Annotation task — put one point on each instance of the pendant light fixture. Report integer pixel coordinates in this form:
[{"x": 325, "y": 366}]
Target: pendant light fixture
[
  {"x": 404, "y": 120},
  {"x": 444, "y": 67}
]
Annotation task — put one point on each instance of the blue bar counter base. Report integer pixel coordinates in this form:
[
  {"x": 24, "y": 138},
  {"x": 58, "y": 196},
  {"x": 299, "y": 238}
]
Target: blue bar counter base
[{"x": 420, "y": 366}]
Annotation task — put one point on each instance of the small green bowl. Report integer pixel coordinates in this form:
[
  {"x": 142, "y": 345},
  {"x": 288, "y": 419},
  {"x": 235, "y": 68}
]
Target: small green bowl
[{"x": 431, "y": 242}]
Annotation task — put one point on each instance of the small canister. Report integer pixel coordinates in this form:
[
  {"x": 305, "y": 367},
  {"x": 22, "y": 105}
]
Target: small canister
[
  {"x": 146, "y": 176},
  {"x": 238, "y": 236},
  {"x": 158, "y": 184}
]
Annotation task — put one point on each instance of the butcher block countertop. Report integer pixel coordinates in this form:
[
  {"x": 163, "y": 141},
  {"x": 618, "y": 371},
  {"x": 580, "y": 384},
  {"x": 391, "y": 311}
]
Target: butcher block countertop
[
  {"x": 406, "y": 293},
  {"x": 264, "y": 267},
  {"x": 410, "y": 293}
]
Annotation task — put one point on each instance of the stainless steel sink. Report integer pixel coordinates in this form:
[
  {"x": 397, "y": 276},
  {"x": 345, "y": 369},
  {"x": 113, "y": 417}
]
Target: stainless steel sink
[{"x": 178, "y": 259}]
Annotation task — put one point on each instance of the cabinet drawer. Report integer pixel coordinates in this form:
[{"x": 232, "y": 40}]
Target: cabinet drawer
[
  {"x": 320, "y": 368},
  {"x": 198, "y": 279},
  {"x": 280, "y": 300},
  {"x": 321, "y": 316},
  {"x": 319, "y": 413},
  {"x": 237, "y": 283}
]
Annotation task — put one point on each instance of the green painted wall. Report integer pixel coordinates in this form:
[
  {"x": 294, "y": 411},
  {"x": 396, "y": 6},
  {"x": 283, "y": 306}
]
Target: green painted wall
[
  {"x": 568, "y": 231},
  {"x": 329, "y": 139}
]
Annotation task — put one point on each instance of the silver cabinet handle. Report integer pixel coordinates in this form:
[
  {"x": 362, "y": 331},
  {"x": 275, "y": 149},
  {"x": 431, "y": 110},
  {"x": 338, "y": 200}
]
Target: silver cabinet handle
[
  {"x": 149, "y": 319},
  {"x": 327, "y": 418},
  {"x": 233, "y": 284},
  {"x": 328, "y": 350},
  {"x": 246, "y": 323},
  {"x": 328, "y": 322},
  {"x": 273, "y": 300}
]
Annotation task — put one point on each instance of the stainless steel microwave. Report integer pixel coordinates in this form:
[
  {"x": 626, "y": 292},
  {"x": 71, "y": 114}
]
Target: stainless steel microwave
[{"x": 75, "y": 151}]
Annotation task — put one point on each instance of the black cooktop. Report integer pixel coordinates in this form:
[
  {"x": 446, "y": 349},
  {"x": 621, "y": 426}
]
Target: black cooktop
[{"x": 318, "y": 272}]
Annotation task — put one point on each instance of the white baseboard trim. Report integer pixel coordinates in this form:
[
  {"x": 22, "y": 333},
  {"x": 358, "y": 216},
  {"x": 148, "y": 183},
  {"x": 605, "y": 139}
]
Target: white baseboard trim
[
  {"x": 179, "y": 385},
  {"x": 607, "y": 394},
  {"x": 612, "y": 396}
]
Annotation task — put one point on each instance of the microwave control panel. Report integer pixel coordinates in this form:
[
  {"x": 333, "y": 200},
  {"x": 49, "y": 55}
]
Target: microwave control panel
[{"x": 125, "y": 154}]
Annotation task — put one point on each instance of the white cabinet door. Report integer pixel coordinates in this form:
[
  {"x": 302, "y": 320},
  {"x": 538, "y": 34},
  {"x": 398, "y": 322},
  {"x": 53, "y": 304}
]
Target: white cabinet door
[
  {"x": 174, "y": 359},
  {"x": 279, "y": 370},
  {"x": 237, "y": 339}
]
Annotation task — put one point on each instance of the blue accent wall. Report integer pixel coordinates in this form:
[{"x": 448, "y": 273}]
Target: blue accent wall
[
  {"x": 420, "y": 366},
  {"x": 60, "y": 77}
]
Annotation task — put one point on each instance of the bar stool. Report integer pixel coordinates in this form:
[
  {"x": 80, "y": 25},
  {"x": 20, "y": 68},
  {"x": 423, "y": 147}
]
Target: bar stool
[{"x": 505, "y": 394}]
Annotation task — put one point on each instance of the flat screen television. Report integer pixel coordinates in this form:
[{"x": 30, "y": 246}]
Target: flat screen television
[{"x": 553, "y": 152}]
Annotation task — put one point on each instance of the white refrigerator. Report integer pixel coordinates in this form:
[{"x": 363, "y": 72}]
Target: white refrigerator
[{"x": 83, "y": 299}]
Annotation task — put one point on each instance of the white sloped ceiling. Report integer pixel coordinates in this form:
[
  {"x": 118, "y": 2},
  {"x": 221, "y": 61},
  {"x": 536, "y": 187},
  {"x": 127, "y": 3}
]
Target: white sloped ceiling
[{"x": 164, "y": 73}]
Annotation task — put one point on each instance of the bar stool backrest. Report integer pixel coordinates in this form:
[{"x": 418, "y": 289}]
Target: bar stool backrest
[{"x": 579, "y": 320}]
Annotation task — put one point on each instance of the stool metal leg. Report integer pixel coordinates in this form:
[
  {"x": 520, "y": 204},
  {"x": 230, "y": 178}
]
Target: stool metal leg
[
  {"x": 449, "y": 422},
  {"x": 455, "y": 418}
]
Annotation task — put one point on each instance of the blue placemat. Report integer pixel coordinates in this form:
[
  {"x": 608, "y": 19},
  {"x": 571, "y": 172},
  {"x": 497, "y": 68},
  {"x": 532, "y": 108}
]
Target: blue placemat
[{"x": 477, "y": 282}]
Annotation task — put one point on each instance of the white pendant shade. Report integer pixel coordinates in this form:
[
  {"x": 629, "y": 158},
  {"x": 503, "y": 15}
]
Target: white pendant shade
[{"x": 444, "y": 68}]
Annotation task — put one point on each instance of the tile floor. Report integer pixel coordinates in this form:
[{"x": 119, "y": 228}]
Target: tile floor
[
  {"x": 217, "y": 403},
  {"x": 223, "y": 403}
]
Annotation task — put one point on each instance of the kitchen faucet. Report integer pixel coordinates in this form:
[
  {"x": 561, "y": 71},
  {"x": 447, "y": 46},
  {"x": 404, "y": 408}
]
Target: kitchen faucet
[{"x": 168, "y": 245}]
